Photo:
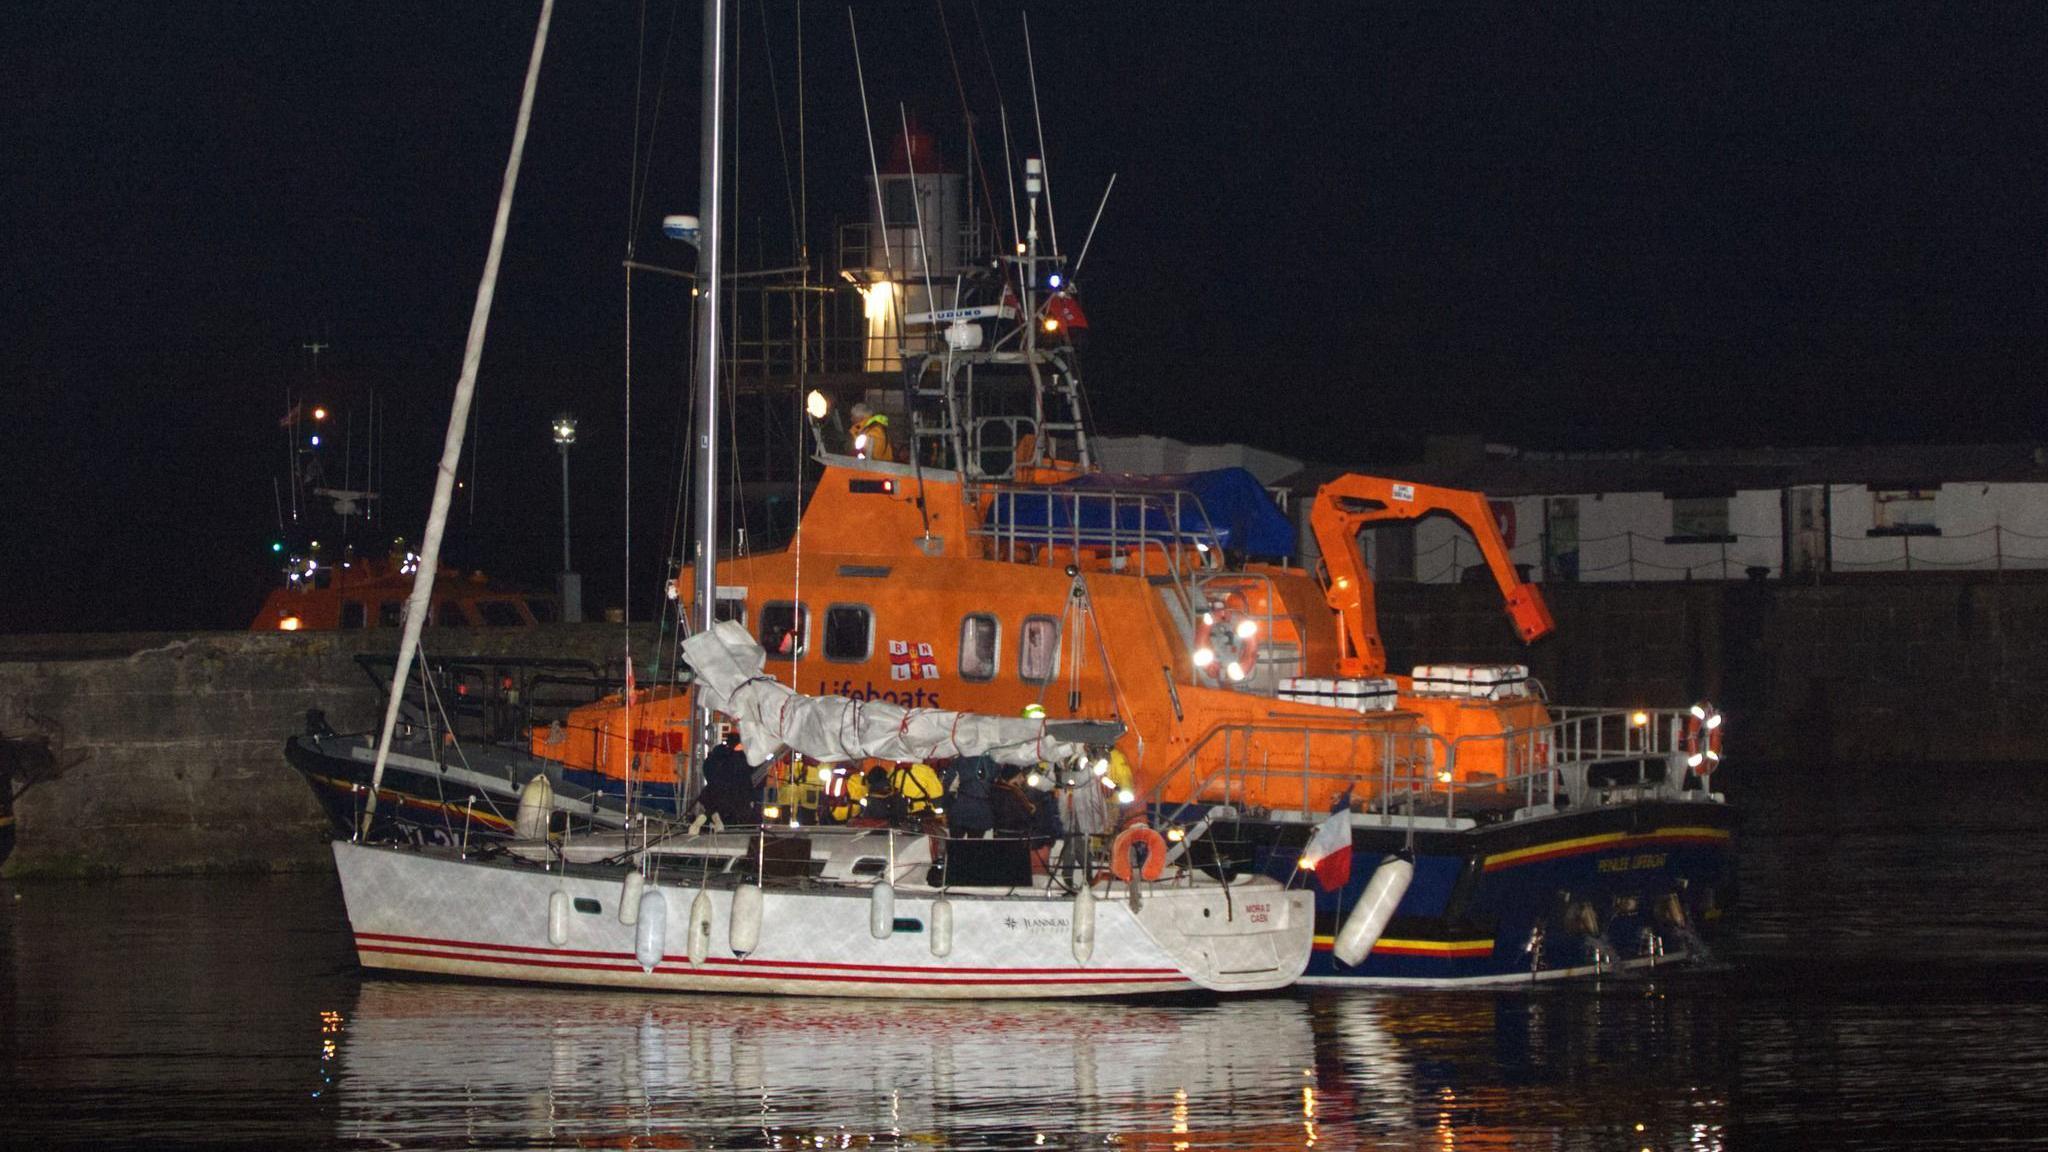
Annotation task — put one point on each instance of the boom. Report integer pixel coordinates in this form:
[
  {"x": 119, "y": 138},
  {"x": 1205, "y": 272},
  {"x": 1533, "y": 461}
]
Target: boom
[{"x": 1349, "y": 503}]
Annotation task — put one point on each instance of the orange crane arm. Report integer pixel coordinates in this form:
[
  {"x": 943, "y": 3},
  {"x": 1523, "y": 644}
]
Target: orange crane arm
[{"x": 1347, "y": 504}]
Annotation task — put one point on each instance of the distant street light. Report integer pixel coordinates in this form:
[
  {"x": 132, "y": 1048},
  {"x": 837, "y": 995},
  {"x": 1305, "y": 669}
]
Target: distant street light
[{"x": 571, "y": 584}]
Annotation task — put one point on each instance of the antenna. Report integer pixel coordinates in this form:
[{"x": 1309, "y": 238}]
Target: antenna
[
  {"x": 1033, "y": 66},
  {"x": 1090, "y": 239},
  {"x": 874, "y": 167},
  {"x": 917, "y": 210},
  {"x": 1010, "y": 183}
]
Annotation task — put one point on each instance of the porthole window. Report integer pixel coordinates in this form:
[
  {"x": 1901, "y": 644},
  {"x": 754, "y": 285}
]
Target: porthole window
[
  {"x": 1038, "y": 649},
  {"x": 849, "y": 633},
  {"x": 979, "y": 635},
  {"x": 785, "y": 629}
]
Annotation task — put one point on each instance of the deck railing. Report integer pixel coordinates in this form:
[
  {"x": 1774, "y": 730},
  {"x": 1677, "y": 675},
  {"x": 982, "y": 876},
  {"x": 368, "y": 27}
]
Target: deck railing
[{"x": 1394, "y": 771}]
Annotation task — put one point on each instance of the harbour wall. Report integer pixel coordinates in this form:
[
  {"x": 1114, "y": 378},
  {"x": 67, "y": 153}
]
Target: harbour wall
[
  {"x": 1906, "y": 671},
  {"x": 180, "y": 736}
]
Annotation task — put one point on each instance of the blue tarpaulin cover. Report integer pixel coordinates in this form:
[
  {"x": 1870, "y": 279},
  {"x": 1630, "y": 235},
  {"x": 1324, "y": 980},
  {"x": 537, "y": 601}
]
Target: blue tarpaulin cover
[{"x": 1240, "y": 512}]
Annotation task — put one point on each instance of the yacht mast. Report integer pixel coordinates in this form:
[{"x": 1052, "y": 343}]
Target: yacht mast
[
  {"x": 458, "y": 418},
  {"x": 711, "y": 285}
]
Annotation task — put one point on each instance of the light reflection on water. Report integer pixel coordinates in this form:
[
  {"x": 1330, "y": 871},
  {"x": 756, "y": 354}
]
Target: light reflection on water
[
  {"x": 1885, "y": 986},
  {"x": 457, "y": 1066}
]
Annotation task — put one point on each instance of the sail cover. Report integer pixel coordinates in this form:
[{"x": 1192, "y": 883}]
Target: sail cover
[
  {"x": 774, "y": 718},
  {"x": 1230, "y": 502}
]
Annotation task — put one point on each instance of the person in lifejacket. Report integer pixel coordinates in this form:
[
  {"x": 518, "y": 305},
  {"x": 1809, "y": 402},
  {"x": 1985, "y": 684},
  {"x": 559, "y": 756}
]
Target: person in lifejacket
[
  {"x": 882, "y": 805},
  {"x": 870, "y": 434}
]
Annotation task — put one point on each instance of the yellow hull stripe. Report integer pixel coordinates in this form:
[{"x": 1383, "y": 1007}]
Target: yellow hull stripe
[
  {"x": 1598, "y": 842},
  {"x": 1434, "y": 947},
  {"x": 386, "y": 794}
]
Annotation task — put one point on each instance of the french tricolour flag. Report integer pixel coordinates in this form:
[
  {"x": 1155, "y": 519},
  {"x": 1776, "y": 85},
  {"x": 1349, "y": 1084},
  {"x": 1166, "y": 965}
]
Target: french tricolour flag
[{"x": 1328, "y": 852}]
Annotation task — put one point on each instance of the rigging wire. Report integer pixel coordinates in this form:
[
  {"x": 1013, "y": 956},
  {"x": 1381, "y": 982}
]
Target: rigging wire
[
  {"x": 781, "y": 136},
  {"x": 1044, "y": 161},
  {"x": 966, "y": 114}
]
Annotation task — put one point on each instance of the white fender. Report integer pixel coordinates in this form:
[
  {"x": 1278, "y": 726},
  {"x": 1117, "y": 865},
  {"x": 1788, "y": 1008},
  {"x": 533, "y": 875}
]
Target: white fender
[
  {"x": 650, "y": 936},
  {"x": 536, "y": 808},
  {"x": 744, "y": 929},
  {"x": 941, "y": 927},
  {"x": 629, "y": 898},
  {"x": 1369, "y": 918},
  {"x": 882, "y": 910},
  {"x": 558, "y": 917},
  {"x": 1084, "y": 924},
  {"x": 700, "y": 927}
]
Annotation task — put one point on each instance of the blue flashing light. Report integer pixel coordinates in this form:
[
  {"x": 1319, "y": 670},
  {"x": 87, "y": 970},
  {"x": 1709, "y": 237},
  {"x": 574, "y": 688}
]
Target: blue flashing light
[
  {"x": 1054, "y": 280},
  {"x": 316, "y": 441}
]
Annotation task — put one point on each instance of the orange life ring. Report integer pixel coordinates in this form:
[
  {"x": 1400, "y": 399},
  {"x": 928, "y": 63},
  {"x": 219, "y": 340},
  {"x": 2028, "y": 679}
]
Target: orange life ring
[
  {"x": 1703, "y": 738},
  {"x": 1127, "y": 842},
  {"x": 1227, "y": 640}
]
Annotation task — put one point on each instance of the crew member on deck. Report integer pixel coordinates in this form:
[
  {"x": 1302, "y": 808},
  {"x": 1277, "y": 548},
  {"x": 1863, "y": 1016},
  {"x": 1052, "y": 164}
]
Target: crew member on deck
[
  {"x": 870, "y": 434},
  {"x": 968, "y": 781},
  {"x": 729, "y": 784}
]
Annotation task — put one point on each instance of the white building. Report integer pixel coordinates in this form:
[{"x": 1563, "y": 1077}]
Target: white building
[{"x": 1734, "y": 514}]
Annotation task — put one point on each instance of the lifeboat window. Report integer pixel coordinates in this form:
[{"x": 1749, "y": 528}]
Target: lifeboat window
[
  {"x": 849, "y": 632},
  {"x": 1038, "y": 649},
  {"x": 501, "y": 613},
  {"x": 979, "y": 637},
  {"x": 353, "y": 614},
  {"x": 785, "y": 628},
  {"x": 543, "y": 610},
  {"x": 449, "y": 614},
  {"x": 390, "y": 613}
]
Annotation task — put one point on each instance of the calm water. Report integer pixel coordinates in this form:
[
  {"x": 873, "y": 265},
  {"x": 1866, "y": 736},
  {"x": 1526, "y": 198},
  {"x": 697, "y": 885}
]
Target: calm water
[{"x": 1886, "y": 986}]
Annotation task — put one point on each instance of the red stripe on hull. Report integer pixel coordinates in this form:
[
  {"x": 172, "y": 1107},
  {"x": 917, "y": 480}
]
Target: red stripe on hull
[
  {"x": 773, "y": 970},
  {"x": 816, "y": 964}
]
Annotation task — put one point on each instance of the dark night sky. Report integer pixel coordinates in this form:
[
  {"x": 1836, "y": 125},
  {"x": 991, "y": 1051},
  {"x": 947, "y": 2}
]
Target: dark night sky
[{"x": 1612, "y": 224}]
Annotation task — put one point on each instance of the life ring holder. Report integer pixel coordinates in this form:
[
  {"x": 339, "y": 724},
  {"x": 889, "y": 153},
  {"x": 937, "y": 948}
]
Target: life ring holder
[
  {"x": 1232, "y": 623},
  {"x": 1702, "y": 743},
  {"x": 1126, "y": 844}
]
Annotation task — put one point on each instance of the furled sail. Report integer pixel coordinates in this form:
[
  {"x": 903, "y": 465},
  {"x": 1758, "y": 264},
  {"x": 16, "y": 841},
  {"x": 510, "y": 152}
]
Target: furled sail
[{"x": 774, "y": 718}]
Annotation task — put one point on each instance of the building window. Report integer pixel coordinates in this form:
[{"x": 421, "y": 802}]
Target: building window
[
  {"x": 730, "y": 604},
  {"x": 1038, "y": 649},
  {"x": 1903, "y": 512},
  {"x": 353, "y": 614},
  {"x": 849, "y": 632},
  {"x": 899, "y": 202},
  {"x": 1699, "y": 520},
  {"x": 979, "y": 635},
  {"x": 390, "y": 613},
  {"x": 785, "y": 628},
  {"x": 501, "y": 613}
]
